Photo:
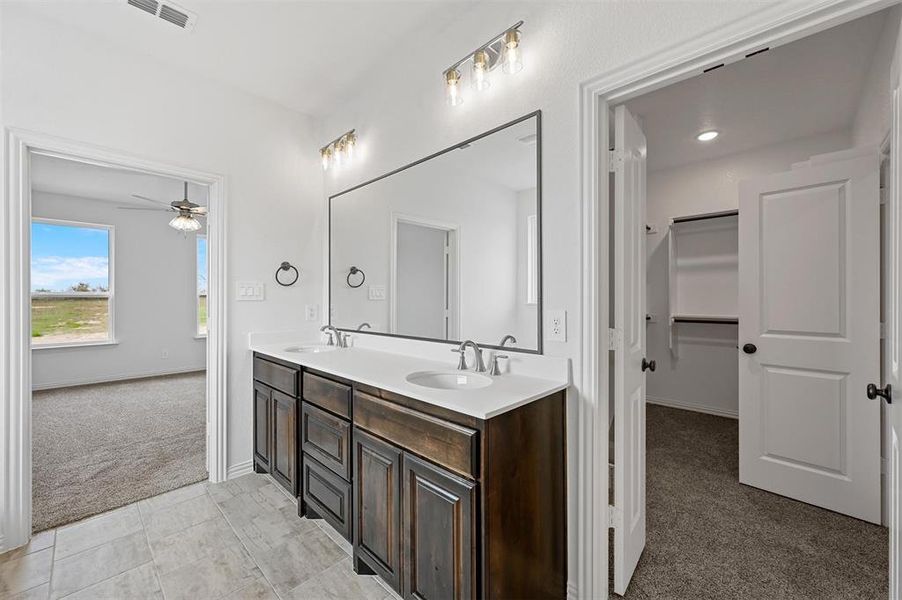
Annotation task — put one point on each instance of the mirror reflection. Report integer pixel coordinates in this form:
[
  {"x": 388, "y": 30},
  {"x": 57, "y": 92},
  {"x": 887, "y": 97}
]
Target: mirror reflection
[{"x": 446, "y": 249}]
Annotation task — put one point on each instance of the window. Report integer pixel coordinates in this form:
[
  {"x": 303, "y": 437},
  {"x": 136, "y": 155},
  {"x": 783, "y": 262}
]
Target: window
[
  {"x": 71, "y": 283},
  {"x": 532, "y": 257},
  {"x": 201, "y": 285}
]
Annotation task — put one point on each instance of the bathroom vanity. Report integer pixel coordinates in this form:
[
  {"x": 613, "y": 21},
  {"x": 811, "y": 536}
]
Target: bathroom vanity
[{"x": 444, "y": 493}]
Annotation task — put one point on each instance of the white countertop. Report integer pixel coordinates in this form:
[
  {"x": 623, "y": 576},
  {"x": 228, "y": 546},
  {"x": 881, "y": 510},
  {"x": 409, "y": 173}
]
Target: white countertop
[{"x": 389, "y": 371}]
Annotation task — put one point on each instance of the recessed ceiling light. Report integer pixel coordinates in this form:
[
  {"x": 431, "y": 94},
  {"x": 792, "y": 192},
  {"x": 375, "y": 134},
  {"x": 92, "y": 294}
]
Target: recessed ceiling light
[{"x": 707, "y": 136}]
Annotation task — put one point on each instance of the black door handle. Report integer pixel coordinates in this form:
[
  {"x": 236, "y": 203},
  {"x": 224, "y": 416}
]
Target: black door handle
[
  {"x": 886, "y": 392},
  {"x": 749, "y": 348},
  {"x": 648, "y": 365}
]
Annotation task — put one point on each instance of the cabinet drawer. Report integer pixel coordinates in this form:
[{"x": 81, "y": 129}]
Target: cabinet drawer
[
  {"x": 327, "y": 438},
  {"x": 327, "y": 394},
  {"x": 284, "y": 379},
  {"x": 328, "y": 495},
  {"x": 448, "y": 444}
]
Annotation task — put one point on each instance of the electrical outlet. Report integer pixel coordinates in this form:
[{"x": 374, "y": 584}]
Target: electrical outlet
[
  {"x": 556, "y": 325},
  {"x": 164, "y": 354},
  {"x": 311, "y": 311}
]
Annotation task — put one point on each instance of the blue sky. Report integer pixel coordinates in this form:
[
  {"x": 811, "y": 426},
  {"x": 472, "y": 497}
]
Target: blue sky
[
  {"x": 63, "y": 255},
  {"x": 202, "y": 264}
]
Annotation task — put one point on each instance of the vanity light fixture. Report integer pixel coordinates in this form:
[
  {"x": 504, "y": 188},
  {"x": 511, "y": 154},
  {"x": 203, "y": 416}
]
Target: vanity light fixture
[
  {"x": 503, "y": 49},
  {"x": 339, "y": 150},
  {"x": 707, "y": 136}
]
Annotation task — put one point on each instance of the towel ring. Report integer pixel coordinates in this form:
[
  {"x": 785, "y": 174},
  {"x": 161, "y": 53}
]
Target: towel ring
[
  {"x": 355, "y": 271},
  {"x": 287, "y": 266}
]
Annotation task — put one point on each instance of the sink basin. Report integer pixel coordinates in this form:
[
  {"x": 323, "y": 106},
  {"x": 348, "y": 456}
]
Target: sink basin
[
  {"x": 311, "y": 349},
  {"x": 449, "y": 380}
]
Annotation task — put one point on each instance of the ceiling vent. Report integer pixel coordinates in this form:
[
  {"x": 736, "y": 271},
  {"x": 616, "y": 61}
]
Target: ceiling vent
[{"x": 167, "y": 11}]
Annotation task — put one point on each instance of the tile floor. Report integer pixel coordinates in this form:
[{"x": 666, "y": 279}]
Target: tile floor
[{"x": 237, "y": 540}]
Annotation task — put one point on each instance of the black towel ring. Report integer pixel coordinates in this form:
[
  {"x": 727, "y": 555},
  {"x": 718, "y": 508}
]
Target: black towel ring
[
  {"x": 287, "y": 266},
  {"x": 355, "y": 271}
]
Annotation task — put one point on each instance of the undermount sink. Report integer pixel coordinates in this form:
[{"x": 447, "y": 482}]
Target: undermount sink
[
  {"x": 311, "y": 349},
  {"x": 449, "y": 380}
]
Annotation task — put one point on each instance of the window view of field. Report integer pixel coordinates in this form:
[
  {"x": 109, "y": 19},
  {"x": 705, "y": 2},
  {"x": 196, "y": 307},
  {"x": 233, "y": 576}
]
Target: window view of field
[
  {"x": 201, "y": 285},
  {"x": 70, "y": 278},
  {"x": 61, "y": 320}
]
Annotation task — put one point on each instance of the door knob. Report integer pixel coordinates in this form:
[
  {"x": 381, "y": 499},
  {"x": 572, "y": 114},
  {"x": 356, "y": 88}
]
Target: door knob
[
  {"x": 648, "y": 365},
  {"x": 749, "y": 348},
  {"x": 886, "y": 392}
]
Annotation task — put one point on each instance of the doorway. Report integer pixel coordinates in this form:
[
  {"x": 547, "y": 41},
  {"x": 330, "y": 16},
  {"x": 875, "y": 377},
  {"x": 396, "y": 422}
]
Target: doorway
[
  {"x": 23, "y": 150},
  {"x": 714, "y": 323}
]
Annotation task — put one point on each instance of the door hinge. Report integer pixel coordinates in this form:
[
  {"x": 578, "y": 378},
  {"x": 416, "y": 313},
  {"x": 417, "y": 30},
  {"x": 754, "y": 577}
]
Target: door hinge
[
  {"x": 615, "y": 339},
  {"x": 615, "y": 160},
  {"x": 615, "y": 517}
]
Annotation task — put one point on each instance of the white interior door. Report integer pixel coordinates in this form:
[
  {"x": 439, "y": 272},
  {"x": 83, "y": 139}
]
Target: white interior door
[
  {"x": 809, "y": 335},
  {"x": 892, "y": 310},
  {"x": 629, "y": 353}
]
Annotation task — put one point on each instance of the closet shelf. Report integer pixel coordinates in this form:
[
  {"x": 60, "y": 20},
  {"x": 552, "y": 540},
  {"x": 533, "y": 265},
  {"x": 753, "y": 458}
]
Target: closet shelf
[
  {"x": 704, "y": 216},
  {"x": 712, "y": 319}
]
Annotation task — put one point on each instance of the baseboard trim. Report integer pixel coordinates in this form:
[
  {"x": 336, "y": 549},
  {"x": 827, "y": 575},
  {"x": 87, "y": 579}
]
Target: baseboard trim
[
  {"x": 239, "y": 469},
  {"x": 572, "y": 591},
  {"x": 116, "y": 379},
  {"x": 719, "y": 412}
]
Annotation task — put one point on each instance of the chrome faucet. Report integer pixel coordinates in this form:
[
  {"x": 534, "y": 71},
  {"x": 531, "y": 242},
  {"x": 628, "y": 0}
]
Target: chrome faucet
[
  {"x": 335, "y": 337},
  {"x": 479, "y": 366},
  {"x": 364, "y": 324},
  {"x": 506, "y": 339}
]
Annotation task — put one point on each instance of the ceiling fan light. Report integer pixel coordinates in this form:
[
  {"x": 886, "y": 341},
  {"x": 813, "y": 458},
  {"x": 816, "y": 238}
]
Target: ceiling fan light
[{"x": 185, "y": 223}]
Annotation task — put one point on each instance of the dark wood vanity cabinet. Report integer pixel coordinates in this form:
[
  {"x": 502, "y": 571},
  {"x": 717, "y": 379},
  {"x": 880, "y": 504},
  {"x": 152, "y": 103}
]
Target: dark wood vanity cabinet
[
  {"x": 439, "y": 504},
  {"x": 275, "y": 422}
]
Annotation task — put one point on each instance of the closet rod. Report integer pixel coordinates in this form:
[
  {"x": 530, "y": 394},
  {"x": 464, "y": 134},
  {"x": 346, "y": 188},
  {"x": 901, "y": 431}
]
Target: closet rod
[
  {"x": 717, "y": 215},
  {"x": 705, "y": 320}
]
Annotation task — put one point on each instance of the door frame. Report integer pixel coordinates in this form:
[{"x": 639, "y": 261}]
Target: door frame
[
  {"x": 15, "y": 306},
  {"x": 454, "y": 277},
  {"x": 774, "y": 25}
]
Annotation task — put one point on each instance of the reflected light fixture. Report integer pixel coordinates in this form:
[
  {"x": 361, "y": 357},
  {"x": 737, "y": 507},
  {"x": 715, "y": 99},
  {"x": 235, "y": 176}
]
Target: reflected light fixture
[
  {"x": 503, "y": 50},
  {"x": 339, "y": 151},
  {"x": 707, "y": 136}
]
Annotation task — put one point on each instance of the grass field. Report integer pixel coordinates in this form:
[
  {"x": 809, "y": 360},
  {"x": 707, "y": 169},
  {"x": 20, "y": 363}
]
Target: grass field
[
  {"x": 202, "y": 315},
  {"x": 56, "y": 320}
]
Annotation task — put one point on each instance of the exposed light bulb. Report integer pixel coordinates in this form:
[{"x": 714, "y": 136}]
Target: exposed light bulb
[
  {"x": 452, "y": 83},
  {"x": 707, "y": 136},
  {"x": 185, "y": 223},
  {"x": 338, "y": 154},
  {"x": 481, "y": 70},
  {"x": 326, "y": 154},
  {"x": 511, "y": 60}
]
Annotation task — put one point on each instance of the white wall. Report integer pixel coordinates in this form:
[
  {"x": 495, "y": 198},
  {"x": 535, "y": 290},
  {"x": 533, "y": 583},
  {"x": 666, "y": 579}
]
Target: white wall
[
  {"x": 155, "y": 287},
  {"x": 401, "y": 115},
  {"x": 61, "y": 82},
  {"x": 705, "y": 375},
  {"x": 872, "y": 119}
]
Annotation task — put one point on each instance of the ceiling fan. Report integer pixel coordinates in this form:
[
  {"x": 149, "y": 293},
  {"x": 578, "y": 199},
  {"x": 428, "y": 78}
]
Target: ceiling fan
[{"x": 188, "y": 211}]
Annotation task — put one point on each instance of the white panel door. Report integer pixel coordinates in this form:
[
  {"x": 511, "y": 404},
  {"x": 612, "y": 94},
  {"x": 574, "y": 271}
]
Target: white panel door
[
  {"x": 629, "y": 355},
  {"x": 809, "y": 335},
  {"x": 892, "y": 339}
]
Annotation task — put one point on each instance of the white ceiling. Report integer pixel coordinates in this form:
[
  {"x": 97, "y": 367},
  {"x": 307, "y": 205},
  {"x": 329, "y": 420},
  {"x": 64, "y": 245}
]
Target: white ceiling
[
  {"x": 801, "y": 89},
  {"x": 71, "y": 178},
  {"x": 303, "y": 55}
]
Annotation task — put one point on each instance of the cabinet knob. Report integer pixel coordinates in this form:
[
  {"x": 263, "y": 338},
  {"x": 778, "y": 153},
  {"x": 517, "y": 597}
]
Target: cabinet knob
[{"x": 648, "y": 365}]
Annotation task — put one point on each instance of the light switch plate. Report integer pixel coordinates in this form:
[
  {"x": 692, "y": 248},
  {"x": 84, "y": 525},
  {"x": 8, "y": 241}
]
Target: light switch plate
[
  {"x": 556, "y": 325},
  {"x": 377, "y": 292},
  {"x": 311, "y": 311},
  {"x": 250, "y": 291}
]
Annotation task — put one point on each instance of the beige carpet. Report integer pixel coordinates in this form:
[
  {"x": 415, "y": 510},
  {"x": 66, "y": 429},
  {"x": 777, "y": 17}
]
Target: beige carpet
[
  {"x": 98, "y": 447},
  {"x": 711, "y": 537}
]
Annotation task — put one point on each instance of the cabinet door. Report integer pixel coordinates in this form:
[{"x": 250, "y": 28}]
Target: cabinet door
[
  {"x": 262, "y": 427},
  {"x": 377, "y": 506},
  {"x": 284, "y": 440},
  {"x": 438, "y": 540}
]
